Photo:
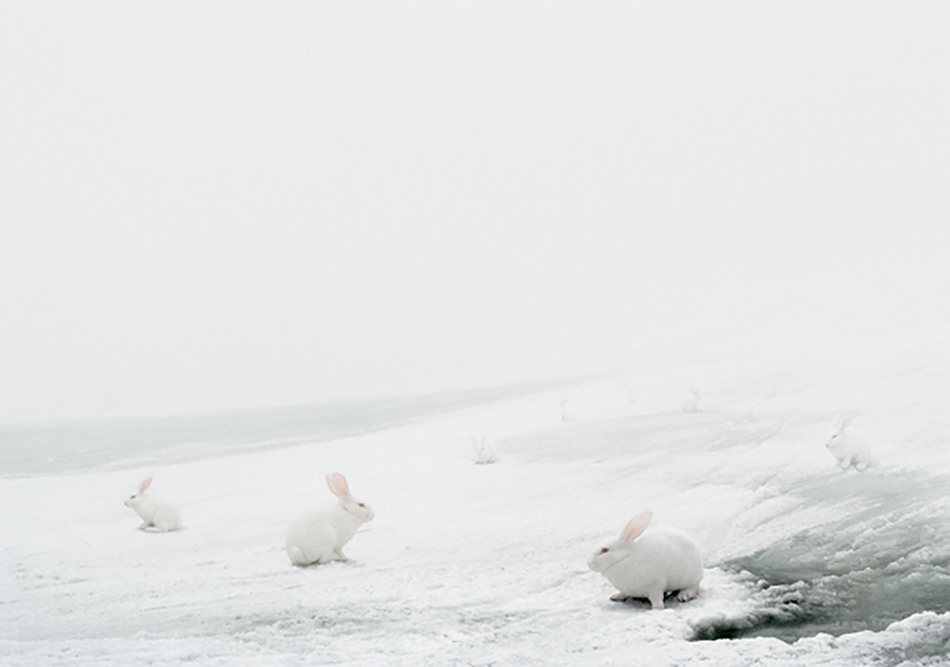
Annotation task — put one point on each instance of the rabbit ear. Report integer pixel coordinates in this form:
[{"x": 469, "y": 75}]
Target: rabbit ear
[
  {"x": 338, "y": 486},
  {"x": 846, "y": 422},
  {"x": 147, "y": 482},
  {"x": 636, "y": 526}
]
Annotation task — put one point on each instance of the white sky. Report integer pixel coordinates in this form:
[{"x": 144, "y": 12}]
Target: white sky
[{"x": 236, "y": 204}]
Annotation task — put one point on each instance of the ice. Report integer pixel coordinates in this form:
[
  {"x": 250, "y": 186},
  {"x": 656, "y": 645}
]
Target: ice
[{"x": 486, "y": 564}]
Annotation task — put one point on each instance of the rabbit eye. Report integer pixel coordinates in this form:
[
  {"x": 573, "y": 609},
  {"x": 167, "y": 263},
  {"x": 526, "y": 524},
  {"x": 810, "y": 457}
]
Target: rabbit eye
[
  {"x": 604, "y": 550},
  {"x": 361, "y": 504}
]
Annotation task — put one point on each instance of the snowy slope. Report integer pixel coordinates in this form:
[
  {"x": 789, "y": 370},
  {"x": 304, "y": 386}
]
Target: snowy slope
[{"x": 486, "y": 564}]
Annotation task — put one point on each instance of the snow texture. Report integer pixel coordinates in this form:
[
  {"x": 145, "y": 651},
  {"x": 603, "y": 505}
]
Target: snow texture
[{"x": 486, "y": 564}]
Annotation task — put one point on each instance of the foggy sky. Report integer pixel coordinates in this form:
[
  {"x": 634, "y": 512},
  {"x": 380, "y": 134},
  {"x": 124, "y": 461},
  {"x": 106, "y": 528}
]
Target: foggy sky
[{"x": 239, "y": 204}]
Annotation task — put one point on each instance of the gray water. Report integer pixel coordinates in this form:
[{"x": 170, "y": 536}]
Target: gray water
[
  {"x": 882, "y": 555},
  {"x": 887, "y": 560}
]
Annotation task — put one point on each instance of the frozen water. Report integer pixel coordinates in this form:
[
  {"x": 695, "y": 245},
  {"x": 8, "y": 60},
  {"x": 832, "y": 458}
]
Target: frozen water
[
  {"x": 469, "y": 564},
  {"x": 83, "y": 445}
]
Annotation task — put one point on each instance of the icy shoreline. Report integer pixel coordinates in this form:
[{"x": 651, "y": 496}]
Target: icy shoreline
[{"x": 481, "y": 565}]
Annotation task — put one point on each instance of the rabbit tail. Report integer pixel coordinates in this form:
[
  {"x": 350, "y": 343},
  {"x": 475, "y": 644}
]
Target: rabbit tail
[{"x": 297, "y": 556}]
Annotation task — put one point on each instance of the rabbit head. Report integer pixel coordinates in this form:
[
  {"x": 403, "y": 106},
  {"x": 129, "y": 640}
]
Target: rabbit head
[
  {"x": 835, "y": 440},
  {"x": 136, "y": 499},
  {"x": 484, "y": 451},
  {"x": 357, "y": 508},
  {"x": 848, "y": 447},
  {"x": 620, "y": 549}
]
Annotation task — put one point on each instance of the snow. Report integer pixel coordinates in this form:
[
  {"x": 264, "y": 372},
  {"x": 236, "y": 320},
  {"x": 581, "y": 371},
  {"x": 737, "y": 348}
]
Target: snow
[{"x": 486, "y": 564}]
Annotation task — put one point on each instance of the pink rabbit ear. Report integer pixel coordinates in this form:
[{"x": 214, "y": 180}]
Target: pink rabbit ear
[
  {"x": 338, "y": 486},
  {"x": 147, "y": 482},
  {"x": 846, "y": 422},
  {"x": 636, "y": 526}
]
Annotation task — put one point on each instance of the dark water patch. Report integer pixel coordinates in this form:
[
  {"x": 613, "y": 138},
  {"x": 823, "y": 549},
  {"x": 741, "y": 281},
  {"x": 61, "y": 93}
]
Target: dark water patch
[
  {"x": 883, "y": 556},
  {"x": 846, "y": 576},
  {"x": 787, "y": 608},
  {"x": 790, "y": 612}
]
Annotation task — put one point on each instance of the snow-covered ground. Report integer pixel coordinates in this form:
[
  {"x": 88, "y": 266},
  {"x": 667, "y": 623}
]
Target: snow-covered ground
[{"x": 486, "y": 564}]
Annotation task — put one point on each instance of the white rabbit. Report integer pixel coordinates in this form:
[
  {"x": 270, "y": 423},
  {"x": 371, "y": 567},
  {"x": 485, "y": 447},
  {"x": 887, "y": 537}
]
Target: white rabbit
[
  {"x": 567, "y": 413},
  {"x": 318, "y": 536},
  {"x": 850, "y": 448},
  {"x": 157, "y": 516},
  {"x": 662, "y": 560},
  {"x": 691, "y": 402},
  {"x": 484, "y": 450}
]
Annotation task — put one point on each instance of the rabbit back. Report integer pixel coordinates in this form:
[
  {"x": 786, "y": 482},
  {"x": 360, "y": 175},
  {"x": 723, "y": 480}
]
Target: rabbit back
[
  {"x": 662, "y": 560},
  {"x": 156, "y": 515},
  {"x": 165, "y": 518},
  {"x": 318, "y": 536}
]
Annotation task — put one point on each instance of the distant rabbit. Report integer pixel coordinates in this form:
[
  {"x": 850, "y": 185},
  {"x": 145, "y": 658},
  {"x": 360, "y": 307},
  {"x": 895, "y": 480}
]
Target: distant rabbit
[
  {"x": 663, "y": 560},
  {"x": 157, "y": 516},
  {"x": 850, "y": 448},
  {"x": 691, "y": 402},
  {"x": 318, "y": 536},
  {"x": 484, "y": 450},
  {"x": 567, "y": 413}
]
